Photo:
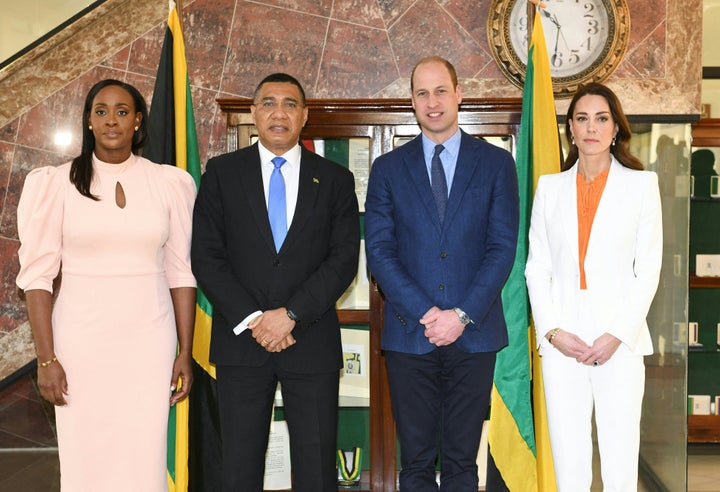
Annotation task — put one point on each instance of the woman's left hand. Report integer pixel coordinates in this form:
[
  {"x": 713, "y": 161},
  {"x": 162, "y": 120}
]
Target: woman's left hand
[
  {"x": 182, "y": 378},
  {"x": 602, "y": 349}
]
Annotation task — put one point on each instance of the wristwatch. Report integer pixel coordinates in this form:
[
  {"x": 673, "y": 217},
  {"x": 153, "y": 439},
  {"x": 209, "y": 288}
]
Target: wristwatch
[
  {"x": 464, "y": 318},
  {"x": 292, "y": 315}
]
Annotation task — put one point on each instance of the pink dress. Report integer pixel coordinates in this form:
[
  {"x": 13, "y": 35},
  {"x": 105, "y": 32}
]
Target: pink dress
[{"x": 113, "y": 321}]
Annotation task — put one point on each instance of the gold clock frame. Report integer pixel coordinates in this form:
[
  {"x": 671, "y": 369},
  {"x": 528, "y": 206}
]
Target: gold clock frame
[{"x": 514, "y": 69}]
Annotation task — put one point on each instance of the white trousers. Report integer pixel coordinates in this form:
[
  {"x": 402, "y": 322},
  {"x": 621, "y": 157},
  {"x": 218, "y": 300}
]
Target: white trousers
[{"x": 615, "y": 391}]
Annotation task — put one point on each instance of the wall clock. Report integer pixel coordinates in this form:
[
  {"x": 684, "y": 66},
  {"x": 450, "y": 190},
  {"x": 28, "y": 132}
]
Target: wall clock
[{"x": 586, "y": 39}]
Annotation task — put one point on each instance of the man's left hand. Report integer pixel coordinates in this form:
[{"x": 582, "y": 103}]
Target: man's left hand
[{"x": 272, "y": 328}]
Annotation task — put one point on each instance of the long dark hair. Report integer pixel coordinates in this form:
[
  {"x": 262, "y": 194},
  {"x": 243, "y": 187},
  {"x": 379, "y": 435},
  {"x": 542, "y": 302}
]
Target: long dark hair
[
  {"x": 621, "y": 148},
  {"x": 81, "y": 170}
]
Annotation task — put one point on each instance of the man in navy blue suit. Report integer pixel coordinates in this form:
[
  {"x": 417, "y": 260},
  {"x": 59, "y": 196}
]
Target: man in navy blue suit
[{"x": 441, "y": 226}]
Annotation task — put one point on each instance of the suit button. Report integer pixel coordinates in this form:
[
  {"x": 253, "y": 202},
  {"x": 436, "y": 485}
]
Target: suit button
[
  {"x": 443, "y": 255},
  {"x": 441, "y": 286},
  {"x": 276, "y": 263}
]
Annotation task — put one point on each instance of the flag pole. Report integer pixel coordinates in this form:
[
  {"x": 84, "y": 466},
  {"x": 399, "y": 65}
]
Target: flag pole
[
  {"x": 179, "y": 5},
  {"x": 532, "y": 6}
]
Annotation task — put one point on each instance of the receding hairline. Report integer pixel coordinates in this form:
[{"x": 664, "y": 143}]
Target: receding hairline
[{"x": 434, "y": 59}]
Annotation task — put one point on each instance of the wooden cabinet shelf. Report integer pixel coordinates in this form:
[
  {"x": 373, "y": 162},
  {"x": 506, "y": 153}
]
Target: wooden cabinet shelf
[
  {"x": 703, "y": 428},
  {"x": 704, "y": 282}
]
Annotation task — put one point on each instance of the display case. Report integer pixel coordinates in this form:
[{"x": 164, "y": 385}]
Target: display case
[{"x": 704, "y": 292}]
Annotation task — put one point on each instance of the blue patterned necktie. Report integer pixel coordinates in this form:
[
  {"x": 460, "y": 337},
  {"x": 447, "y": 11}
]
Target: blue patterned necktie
[
  {"x": 438, "y": 182},
  {"x": 277, "y": 209}
]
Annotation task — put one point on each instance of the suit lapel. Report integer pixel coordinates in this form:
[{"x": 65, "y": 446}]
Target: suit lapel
[
  {"x": 308, "y": 188},
  {"x": 567, "y": 205},
  {"x": 254, "y": 191},
  {"x": 465, "y": 168},
  {"x": 416, "y": 169},
  {"x": 607, "y": 208}
]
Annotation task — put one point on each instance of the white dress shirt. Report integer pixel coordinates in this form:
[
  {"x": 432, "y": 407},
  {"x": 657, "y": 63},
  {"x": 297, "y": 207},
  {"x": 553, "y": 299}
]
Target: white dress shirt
[{"x": 291, "y": 174}]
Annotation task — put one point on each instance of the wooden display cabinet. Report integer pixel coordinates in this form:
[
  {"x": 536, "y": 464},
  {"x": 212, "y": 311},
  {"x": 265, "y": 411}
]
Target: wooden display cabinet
[
  {"x": 385, "y": 123},
  {"x": 705, "y": 428}
]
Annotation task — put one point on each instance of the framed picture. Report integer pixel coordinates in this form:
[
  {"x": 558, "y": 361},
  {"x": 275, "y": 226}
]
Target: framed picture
[{"x": 355, "y": 375}]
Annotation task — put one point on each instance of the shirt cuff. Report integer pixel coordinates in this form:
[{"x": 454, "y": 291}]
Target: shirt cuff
[{"x": 244, "y": 323}]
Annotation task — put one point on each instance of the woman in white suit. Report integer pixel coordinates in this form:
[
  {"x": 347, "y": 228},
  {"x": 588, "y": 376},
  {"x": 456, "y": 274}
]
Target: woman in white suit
[{"x": 592, "y": 272}]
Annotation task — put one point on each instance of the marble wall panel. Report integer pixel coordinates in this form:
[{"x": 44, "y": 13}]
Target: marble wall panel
[
  {"x": 119, "y": 60},
  {"x": 427, "y": 29},
  {"x": 266, "y": 40},
  {"x": 339, "y": 76},
  {"x": 12, "y": 307},
  {"x": 392, "y": 10},
  {"x": 7, "y": 151},
  {"x": 145, "y": 51},
  {"x": 320, "y": 8},
  {"x": 207, "y": 32},
  {"x": 8, "y": 132},
  {"x": 362, "y": 12}
]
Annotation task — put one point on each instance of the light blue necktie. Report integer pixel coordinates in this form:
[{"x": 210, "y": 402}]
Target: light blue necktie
[
  {"x": 277, "y": 209},
  {"x": 438, "y": 182}
]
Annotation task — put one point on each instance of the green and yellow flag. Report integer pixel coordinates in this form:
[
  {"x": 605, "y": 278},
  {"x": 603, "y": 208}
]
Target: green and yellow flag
[
  {"x": 519, "y": 446},
  {"x": 173, "y": 140}
]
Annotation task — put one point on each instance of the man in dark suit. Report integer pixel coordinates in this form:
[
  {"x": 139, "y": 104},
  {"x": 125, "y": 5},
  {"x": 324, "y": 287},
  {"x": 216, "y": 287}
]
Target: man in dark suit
[
  {"x": 276, "y": 236},
  {"x": 441, "y": 225}
]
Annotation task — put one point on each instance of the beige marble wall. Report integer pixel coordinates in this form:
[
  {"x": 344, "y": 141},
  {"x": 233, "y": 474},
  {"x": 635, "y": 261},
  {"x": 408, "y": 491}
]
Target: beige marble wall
[{"x": 337, "y": 49}]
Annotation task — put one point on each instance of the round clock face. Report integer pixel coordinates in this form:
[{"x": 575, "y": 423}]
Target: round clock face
[{"x": 586, "y": 39}]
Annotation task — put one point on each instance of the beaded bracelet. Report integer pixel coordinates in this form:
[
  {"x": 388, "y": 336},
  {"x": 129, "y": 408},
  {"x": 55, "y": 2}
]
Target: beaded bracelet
[
  {"x": 47, "y": 362},
  {"x": 553, "y": 334}
]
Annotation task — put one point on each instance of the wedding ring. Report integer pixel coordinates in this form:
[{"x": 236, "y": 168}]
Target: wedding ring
[{"x": 596, "y": 363}]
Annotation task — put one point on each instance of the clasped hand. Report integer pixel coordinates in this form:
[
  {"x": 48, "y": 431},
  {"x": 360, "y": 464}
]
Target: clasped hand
[
  {"x": 442, "y": 326},
  {"x": 272, "y": 330},
  {"x": 571, "y": 345}
]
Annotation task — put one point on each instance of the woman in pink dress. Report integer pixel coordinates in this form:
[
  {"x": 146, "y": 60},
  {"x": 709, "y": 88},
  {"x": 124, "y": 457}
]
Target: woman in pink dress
[{"x": 115, "y": 351}]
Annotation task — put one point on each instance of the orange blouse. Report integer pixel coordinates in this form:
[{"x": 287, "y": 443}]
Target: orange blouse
[{"x": 588, "y": 199}]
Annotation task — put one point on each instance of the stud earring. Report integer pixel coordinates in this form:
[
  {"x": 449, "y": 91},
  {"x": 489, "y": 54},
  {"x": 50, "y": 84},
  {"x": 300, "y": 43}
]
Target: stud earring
[
  {"x": 90, "y": 127},
  {"x": 136, "y": 128}
]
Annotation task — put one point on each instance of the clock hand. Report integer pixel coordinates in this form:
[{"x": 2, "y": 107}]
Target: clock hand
[{"x": 558, "y": 27}]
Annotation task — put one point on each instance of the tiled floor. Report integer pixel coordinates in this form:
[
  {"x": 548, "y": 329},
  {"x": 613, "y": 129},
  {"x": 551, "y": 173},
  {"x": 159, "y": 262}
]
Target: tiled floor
[{"x": 29, "y": 462}]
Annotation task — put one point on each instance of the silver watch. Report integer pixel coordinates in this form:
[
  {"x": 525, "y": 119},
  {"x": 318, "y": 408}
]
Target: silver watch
[{"x": 464, "y": 318}]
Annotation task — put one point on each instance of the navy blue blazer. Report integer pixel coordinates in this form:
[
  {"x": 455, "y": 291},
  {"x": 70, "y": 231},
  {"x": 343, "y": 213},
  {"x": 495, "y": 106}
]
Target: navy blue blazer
[{"x": 464, "y": 263}]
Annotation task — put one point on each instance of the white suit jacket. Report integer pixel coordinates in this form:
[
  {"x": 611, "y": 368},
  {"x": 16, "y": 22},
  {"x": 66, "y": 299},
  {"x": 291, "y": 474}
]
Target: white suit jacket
[{"x": 622, "y": 264}]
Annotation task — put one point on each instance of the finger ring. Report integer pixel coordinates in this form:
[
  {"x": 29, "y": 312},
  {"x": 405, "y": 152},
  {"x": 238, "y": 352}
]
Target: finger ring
[
  {"x": 265, "y": 341},
  {"x": 596, "y": 363}
]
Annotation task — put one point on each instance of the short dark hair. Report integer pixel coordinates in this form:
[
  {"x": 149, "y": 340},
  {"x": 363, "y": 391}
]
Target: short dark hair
[
  {"x": 437, "y": 59},
  {"x": 282, "y": 78},
  {"x": 81, "y": 170}
]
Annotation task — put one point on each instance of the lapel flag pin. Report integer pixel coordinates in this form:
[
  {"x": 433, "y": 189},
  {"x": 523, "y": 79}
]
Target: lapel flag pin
[{"x": 316, "y": 181}]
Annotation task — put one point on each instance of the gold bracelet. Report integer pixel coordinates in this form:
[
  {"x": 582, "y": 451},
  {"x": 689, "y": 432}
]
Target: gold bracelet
[
  {"x": 47, "y": 362},
  {"x": 553, "y": 334}
]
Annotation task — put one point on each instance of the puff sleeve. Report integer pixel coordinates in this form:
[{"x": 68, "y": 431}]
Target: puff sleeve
[
  {"x": 40, "y": 225},
  {"x": 181, "y": 199}
]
